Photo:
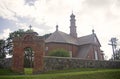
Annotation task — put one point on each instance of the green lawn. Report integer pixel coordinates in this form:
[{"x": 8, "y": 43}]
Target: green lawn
[
  {"x": 82, "y": 73},
  {"x": 28, "y": 71}
]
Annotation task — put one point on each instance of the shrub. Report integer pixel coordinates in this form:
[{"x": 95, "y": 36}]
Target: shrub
[{"x": 59, "y": 53}]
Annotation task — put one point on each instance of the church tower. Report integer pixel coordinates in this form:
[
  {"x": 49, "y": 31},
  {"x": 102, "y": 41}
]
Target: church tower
[{"x": 73, "y": 26}]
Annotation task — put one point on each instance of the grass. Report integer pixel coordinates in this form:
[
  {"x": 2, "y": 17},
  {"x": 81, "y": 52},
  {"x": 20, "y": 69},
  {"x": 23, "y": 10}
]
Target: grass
[
  {"x": 72, "y": 70},
  {"x": 28, "y": 71},
  {"x": 84, "y": 73},
  {"x": 7, "y": 72}
]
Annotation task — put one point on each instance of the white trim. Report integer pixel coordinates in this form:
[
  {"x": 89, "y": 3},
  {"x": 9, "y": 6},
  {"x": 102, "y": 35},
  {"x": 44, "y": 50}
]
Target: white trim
[{"x": 96, "y": 55}]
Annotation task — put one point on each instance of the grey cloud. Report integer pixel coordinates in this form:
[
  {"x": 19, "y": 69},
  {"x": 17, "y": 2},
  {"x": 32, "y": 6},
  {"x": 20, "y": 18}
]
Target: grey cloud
[
  {"x": 97, "y": 3},
  {"x": 30, "y": 2},
  {"x": 118, "y": 3},
  {"x": 6, "y": 12},
  {"x": 31, "y": 21},
  {"x": 42, "y": 26}
]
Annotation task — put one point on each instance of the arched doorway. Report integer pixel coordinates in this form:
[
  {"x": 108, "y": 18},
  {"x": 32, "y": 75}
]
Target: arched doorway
[
  {"x": 28, "y": 60},
  {"x": 24, "y": 46}
]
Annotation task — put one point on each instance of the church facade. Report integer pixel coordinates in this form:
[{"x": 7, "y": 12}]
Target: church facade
[{"x": 86, "y": 47}]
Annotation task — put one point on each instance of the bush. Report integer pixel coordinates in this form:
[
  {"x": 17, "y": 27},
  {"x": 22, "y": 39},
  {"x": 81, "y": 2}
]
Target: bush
[{"x": 59, "y": 53}]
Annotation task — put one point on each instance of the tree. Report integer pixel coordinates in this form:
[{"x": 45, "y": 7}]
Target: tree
[
  {"x": 9, "y": 41},
  {"x": 2, "y": 49},
  {"x": 117, "y": 55},
  {"x": 28, "y": 57},
  {"x": 46, "y": 35}
]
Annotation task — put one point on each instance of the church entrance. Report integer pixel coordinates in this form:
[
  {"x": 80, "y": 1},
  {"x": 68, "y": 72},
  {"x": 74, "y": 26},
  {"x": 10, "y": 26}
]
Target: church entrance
[{"x": 28, "y": 52}]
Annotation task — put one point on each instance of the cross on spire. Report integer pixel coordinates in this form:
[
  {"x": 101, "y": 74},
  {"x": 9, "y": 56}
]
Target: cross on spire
[{"x": 30, "y": 27}]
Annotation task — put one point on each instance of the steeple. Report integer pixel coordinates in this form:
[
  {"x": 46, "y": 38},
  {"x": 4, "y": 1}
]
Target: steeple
[{"x": 73, "y": 26}]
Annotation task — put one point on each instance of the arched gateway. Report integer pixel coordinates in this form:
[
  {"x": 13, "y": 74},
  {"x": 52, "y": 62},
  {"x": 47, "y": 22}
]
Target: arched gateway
[{"x": 29, "y": 39}]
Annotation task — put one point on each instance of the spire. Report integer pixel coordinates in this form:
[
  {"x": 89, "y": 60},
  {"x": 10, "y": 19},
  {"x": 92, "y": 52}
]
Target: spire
[
  {"x": 72, "y": 15},
  {"x": 73, "y": 25},
  {"x": 56, "y": 27}
]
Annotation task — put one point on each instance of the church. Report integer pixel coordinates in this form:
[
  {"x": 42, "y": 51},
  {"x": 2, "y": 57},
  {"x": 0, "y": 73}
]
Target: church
[{"x": 85, "y": 47}]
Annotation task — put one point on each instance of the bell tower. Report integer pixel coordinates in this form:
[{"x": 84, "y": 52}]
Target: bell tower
[{"x": 73, "y": 26}]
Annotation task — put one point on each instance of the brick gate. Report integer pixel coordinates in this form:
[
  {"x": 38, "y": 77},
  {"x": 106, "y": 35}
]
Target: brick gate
[{"x": 29, "y": 39}]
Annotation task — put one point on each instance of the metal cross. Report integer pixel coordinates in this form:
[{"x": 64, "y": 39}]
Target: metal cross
[{"x": 30, "y": 27}]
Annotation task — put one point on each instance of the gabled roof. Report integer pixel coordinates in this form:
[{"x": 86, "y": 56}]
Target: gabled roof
[
  {"x": 86, "y": 39},
  {"x": 89, "y": 39},
  {"x": 61, "y": 37}
]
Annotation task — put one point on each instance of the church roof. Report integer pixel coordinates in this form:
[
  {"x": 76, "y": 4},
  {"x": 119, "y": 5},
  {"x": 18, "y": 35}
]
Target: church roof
[
  {"x": 89, "y": 39},
  {"x": 61, "y": 37},
  {"x": 86, "y": 39}
]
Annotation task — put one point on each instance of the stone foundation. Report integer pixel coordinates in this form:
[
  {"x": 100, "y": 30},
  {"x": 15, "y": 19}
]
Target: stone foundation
[
  {"x": 60, "y": 63},
  {"x": 6, "y": 63}
]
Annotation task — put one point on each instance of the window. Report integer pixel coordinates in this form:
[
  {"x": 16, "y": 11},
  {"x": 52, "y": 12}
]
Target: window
[{"x": 96, "y": 55}]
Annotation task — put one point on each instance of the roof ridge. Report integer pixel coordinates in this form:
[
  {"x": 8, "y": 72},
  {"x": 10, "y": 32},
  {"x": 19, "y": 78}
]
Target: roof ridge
[
  {"x": 69, "y": 36},
  {"x": 85, "y": 36}
]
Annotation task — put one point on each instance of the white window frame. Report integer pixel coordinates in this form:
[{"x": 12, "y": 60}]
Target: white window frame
[{"x": 96, "y": 55}]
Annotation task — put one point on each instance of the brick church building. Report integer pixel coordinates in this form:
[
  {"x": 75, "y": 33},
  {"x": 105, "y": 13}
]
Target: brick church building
[{"x": 85, "y": 47}]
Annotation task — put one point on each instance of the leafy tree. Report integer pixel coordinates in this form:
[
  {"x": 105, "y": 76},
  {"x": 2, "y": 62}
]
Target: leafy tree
[
  {"x": 46, "y": 35},
  {"x": 59, "y": 53},
  {"x": 117, "y": 55},
  {"x": 2, "y": 49},
  {"x": 9, "y": 41},
  {"x": 28, "y": 57}
]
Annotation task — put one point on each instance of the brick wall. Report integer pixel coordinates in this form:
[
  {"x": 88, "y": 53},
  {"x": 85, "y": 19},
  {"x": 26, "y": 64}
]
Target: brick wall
[
  {"x": 74, "y": 49},
  {"x": 68, "y": 47}
]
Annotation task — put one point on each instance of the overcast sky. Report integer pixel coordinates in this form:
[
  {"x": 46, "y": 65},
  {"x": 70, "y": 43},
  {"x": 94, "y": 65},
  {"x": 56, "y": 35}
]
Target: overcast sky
[{"x": 43, "y": 15}]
